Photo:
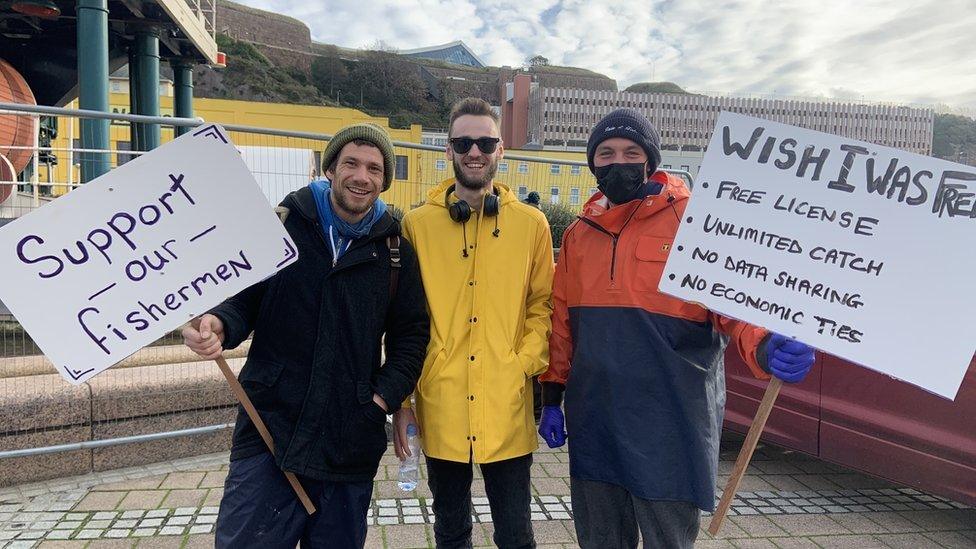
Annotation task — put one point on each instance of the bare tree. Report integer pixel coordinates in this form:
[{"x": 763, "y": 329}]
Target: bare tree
[{"x": 382, "y": 45}]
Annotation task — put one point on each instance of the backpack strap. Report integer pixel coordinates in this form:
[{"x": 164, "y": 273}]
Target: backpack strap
[{"x": 393, "y": 243}]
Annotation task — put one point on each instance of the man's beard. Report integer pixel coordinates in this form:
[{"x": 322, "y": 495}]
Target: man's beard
[
  {"x": 475, "y": 184},
  {"x": 350, "y": 208}
]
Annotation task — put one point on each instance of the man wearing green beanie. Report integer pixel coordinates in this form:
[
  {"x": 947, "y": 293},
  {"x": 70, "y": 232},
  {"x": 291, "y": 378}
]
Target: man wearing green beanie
[{"x": 313, "y": 370}]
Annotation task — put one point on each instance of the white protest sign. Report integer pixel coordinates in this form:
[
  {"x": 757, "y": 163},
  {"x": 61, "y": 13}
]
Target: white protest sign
[
  {"x": 857, "y": 249},
  {"x": 107, "y": 269}
]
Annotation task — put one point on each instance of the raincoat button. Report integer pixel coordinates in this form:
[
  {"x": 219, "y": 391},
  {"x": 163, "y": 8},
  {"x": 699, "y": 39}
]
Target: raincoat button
[
  {"x": 471, "y": 397},
  {"x": 474, "y": 438},
  {"x": 472, "y": 358}
]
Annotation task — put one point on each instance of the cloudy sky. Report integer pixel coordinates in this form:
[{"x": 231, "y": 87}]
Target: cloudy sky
[{"x": 879, "y": 50}]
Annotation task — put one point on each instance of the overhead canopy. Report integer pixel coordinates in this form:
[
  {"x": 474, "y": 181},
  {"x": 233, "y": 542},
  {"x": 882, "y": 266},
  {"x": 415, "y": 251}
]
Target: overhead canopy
[{"x": 45, "y": 50}]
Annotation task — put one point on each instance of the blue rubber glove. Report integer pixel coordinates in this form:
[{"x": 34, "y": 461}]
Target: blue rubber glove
[
  {"x": 788, "y": 359},
  {"x": 552, "y": 426}
]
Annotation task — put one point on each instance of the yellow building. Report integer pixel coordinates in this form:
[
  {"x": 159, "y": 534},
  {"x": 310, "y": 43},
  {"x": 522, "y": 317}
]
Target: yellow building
[
  {"x": 417, "y": 171},
  {"x": 556, "y": 183},
  {"x": 294, "y": 118}
]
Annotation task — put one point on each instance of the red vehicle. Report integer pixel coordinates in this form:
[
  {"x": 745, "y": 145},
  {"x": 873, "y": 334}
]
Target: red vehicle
[{"x": 858, "y": 418}]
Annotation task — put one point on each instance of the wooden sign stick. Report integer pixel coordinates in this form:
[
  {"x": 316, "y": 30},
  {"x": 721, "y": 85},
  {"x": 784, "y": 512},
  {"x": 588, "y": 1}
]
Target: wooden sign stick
[
  {"x": 252, "y": 413},
  {"x": 241, "y": 396},
  {"x": 745, "y": 454}
]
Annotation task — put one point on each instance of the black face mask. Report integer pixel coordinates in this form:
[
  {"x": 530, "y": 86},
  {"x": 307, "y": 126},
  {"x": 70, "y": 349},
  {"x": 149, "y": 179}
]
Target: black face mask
[{"x": 621, "y": 183}]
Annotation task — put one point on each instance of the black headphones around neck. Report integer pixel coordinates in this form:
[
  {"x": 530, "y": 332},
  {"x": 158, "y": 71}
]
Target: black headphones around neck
[{"x": 461, "y": 212}]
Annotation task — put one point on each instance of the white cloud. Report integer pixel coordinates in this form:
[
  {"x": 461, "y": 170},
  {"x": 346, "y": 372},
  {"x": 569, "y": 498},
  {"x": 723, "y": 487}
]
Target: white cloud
[{"x": 880, "y": 50}]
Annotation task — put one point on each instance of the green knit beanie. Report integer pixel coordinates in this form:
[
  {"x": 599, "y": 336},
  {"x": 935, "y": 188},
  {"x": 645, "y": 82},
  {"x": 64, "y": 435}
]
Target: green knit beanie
[{"x": 368, "y": 132}]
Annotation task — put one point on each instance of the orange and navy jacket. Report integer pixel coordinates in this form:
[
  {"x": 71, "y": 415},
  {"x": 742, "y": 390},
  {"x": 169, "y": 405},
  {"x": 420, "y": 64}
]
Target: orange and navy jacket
[{"x": 643, "y": 372}]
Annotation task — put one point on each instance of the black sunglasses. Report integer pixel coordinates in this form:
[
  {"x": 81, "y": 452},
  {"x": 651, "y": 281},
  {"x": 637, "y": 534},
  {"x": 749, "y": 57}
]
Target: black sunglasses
[{"x": 462, "y": 145}]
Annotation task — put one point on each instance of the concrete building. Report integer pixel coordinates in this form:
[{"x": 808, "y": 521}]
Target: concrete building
[{"x": 535, "y": 116}]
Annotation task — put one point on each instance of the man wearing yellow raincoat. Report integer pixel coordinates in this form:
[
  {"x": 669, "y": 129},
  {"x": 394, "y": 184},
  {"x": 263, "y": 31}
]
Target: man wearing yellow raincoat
[{"x": 487, "y": 266}]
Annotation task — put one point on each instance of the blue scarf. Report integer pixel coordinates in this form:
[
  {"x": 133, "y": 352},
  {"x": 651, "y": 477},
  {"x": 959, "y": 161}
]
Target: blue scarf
[{"x": 339, "y": 233}]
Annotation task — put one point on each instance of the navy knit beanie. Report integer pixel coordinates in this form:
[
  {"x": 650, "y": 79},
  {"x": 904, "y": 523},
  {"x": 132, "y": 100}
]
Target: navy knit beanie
[{"x": 630, "y": 124}]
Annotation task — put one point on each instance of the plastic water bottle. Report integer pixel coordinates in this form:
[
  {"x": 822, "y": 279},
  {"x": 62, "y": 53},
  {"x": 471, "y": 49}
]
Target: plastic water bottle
[{"x": 408, "y": 467}]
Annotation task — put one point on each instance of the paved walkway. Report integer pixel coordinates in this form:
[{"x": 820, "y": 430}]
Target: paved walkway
[{"x": 786, "y": 500}]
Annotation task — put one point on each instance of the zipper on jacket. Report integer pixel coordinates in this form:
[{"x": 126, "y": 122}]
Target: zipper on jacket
[
  {"x": 335, "y": 260},
  {"x": 614, "y": 237}
]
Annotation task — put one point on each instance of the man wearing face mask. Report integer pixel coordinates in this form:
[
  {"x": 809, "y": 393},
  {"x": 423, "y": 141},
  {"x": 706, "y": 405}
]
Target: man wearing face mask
[{"x": 645, "y": 400}]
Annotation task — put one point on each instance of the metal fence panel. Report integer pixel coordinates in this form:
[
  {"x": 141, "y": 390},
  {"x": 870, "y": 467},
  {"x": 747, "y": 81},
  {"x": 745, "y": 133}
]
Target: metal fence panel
[{"x": 163, "y": 388}]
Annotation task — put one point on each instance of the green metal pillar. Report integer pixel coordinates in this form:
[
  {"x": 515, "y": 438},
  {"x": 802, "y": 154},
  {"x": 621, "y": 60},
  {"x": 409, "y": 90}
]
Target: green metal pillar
[
  {"x": 147, "y": 86},
  {"x": 134, "y": 127},
  {"x": 183, "y": 92},
  {"x": 93, "y": 84}
]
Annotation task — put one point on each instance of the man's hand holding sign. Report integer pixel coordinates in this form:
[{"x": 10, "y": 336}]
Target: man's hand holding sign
[
  {"x": 185, "y": 234},
  {"x": 820, "y": 238},
  {"x": 644, "y": 400},
  {"x": 144, "y": 260},
  {"x": 205, "y": 337},
  {"x": 788, "y": 360}
]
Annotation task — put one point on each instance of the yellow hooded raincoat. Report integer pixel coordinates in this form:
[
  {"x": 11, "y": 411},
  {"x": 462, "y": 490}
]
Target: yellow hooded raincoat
[{"x": 489, "y": 326}]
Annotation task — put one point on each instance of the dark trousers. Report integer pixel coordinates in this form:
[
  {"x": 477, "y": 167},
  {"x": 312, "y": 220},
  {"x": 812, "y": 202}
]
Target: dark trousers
[
  {"x": 607, "y": 515},
  {"x": 259, "y": 509},
  {"x": 509, "y": 495}
]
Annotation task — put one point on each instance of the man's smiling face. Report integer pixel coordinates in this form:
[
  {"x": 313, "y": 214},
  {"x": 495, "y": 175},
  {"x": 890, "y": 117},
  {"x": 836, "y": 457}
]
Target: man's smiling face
[
  {"x": 474, "y": 169},
  {"x": 357, "y": 180}
]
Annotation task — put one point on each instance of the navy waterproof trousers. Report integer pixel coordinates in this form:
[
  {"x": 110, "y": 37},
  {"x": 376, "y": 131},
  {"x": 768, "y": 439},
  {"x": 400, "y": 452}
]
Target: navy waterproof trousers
[{"x": 260, "y": 510}]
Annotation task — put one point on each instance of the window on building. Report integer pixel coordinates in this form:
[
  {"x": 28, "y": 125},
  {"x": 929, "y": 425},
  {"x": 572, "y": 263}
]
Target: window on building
[
  {"x": 121, "y": 157},
  {"x": 554, "y": 195},
  {"x": 523, "y": 168},
  {"x": 574, "y": 196},
  {"x": 666, "y": 166},
  {"x": 400, "y": 171},
  {"x": 685, "y": 167},
  {"x": 575, "y": 170},
  {"x": 523, "y": 192},
  {"x": 503, "y": 167},
  {"x": 554, "y": 169},
  {"x": 440, "y": 164}
]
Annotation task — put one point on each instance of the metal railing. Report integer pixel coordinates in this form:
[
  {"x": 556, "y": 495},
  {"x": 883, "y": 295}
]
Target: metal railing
[
  {"x": 162, "y": 384},
  {"x": 206, "y": 12}
]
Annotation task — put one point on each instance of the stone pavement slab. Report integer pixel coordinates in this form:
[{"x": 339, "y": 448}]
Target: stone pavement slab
[
  {"x": 410, "y": 536},
  {"x": 787, "y": 501},
  {"x": 183, "y": 480},
  {"x": 142, "y": 499},
  {"x": 184, "y": 498},
  {"x": 849, "y": 542},
  {"x": 100, "y": 500}
]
